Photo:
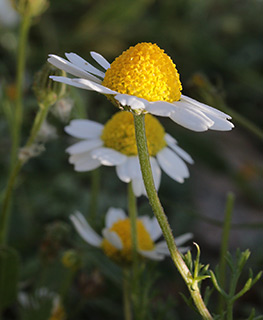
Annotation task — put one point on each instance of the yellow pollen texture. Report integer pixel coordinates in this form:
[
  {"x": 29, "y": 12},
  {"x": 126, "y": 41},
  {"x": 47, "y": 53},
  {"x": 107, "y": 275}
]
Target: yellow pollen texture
[
  {"x": 119, "y": 134},
  {"x": 144, "y": 71},
  {"x": 123, "y": 229}
]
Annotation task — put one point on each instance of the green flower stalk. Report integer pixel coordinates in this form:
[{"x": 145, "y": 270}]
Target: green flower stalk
[{"x": 191, "y": 283}]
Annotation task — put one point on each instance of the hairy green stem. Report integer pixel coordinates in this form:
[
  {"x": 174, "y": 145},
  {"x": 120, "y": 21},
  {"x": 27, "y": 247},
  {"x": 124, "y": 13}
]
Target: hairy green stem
[
  {"x": 143, "y": 154},
  {"x": 21, "y": 60},
  {"x": 5, "y": 212},
  {"x": 224, "y": 247}
]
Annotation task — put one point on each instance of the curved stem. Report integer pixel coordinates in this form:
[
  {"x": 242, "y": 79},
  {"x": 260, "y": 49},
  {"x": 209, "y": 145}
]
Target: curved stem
[
  {"x": 161, "y": 217},
  {"x": 21, "y": 59}
]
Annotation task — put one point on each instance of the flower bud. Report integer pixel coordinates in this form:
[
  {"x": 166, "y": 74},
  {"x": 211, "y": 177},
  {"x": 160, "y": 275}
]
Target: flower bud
[
  {"x": 71, "y": 259},
  {"x": 46, "y": 90},
  {"x": 33, "y": 8}
]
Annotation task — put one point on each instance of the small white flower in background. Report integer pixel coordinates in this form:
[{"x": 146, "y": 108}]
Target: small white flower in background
[
  {"x": 116, "y": 236},
  {"x": 142, "y": 79},
  {"x": 26, "y": 153},
  {"x": 34, "y": 304},
  {"x": 114, "y": 145},
  {"x": 46, "y": 132},
  {"x": 62, "y": 109}
]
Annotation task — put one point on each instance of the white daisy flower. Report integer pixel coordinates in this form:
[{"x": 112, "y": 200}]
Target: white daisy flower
[
  {"x": 143, "y": 79},
  {"x": 116, "y": 239},
  {"x": 114, "y": 145}
]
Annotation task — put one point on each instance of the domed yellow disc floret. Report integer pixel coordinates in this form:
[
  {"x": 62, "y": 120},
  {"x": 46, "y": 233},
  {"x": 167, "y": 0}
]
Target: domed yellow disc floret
[
  {"x": 123, "y": 230},
  {"x": 119, "y": 134},
  {"x": 144, "y": 71}
]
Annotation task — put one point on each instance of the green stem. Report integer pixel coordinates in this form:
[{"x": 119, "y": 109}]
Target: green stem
[
  {"x": 21, "y": 60},
  {"x": 126, "y": 295},
  {"x": 161, "y": 217},
  {"x": 5, "y": 212},
  {"x": 132, "y": 210},
  {"x": 224, "y": 247},
  {"x": 95, "y": 188}
]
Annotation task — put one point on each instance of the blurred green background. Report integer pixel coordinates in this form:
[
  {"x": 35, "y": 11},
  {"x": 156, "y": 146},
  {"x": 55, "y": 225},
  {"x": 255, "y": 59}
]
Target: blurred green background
[{"x": 218, "y": 49}]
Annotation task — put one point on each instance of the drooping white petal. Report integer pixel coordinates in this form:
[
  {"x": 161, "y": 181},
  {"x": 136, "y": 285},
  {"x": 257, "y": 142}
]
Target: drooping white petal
[
  {"x": 134, "y": 102},
  {"x": 83, "y": 64},
  {"x": 113, "y": 238},
  {"x": 84, "y": 129},
  {"x": 138, "y": 187},
  {"x": 90, "y": 85},
  {"x": 84, "y": 162},
  {"x": 100, "y": 59},
  {"x": 183, "y": 238},
  {"x": 69, "y": 67},
  {"x": 84, "y": 146},
  {"x": 122, "y": 171},
  {"x": 172, "y": 143},
  {"x": 205, "y": 107},
  {"x": 152, "y": 226},
  {"x": 221, "y": 124},
  {"x": 172, "y": 165},
  {"x": 113, "y": 215},
  {"x": 191, "y": 119},
  {"x": 108, "y": 157},
  {"x": 85, "y": 230},
  {"x": 162, "y": 248},
  {"x": 160, "y": 108},
  {"x": 156, "y": 171},
  {"x": 152, "y": 254}
]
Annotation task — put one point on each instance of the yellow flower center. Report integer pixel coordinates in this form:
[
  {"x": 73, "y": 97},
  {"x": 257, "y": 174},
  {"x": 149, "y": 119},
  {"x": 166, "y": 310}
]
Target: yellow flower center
[
  {"x": 123, "y": 230},
  {"x": 144, "y": 71},
  {"x": 119, "y": 134}
]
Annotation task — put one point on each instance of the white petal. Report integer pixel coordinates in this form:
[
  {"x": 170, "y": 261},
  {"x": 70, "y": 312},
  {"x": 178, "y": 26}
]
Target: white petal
[
  {"x": 123, "y": 171},
  {"x": 85, "y": 230},
  {"x": 221, "y": 124},
  {"x": 160, "y": 108},
  {"x": 113, "y": 238},
  {"x": 192, "y": 119},
  {"x": 84, "y": 162},
  {"x": 172, "y": 143},
  {"x": 205, "y": 107},
  {"x": 162, "y": 248},
  {"x": 108, "y": 157},
  {"x": 69, "y": 67},
  {"x": 152, "y": 226},
  {"x": 134, "y": 102},
  {"x": 83, "y": 64},
  {"x": 156, "y": 171},
  {"x": 90, "y": 85},
  {"x": 183, "y": 238},
  {"x": 138, "y": 187},
  {"x": 84, "y": 129},
  {"x": 84, "y": 146},
  {"x": 172, "y": 165},
  {"x": 151, "y": 254},
  {"x": 100, "y": 59},
  {"x": 113, "y": 215}
]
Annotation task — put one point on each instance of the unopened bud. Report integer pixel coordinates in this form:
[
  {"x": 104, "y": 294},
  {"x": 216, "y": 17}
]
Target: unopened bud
[
  {"x": 33, "y": 8},
  {"x": 46, "y": 90},
  {"x": 71, "y": 259}
]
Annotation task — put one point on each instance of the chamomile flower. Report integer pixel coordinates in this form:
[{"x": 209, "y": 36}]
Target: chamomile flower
[
  {"x": 114, "y": 144},
  {"x": 116, "y": 241},
  {"x": 142, "y": 79}
]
